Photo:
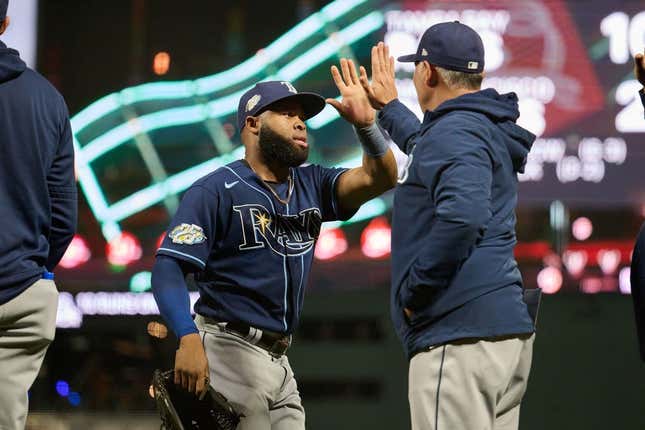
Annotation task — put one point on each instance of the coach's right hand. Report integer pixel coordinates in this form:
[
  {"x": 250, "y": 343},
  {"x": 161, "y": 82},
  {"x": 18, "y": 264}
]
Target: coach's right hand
[
  {"x": 382, "y": 89},
  {"x": 191, "y": 364}
]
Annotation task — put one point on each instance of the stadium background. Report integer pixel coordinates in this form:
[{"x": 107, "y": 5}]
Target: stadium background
[{"x": 152, "y": 87}]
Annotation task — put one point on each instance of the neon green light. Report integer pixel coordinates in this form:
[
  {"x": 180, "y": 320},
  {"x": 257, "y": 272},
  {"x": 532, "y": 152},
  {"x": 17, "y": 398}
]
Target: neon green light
[
  {"x": 333, "y": 44},
  {"x": 141, "y": 282},
  {"x": 158, "y": 91},
  {"x": 94, "y": 111}
]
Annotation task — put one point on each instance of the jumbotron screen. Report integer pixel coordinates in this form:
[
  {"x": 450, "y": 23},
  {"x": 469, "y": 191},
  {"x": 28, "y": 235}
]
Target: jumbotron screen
[{"x": 570, "y": 62}]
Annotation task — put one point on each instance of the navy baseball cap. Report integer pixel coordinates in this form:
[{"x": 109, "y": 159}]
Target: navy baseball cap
[
  {"x": 264, "y": 94},
  {"x": 452, "y": 46},
  {"x": 4, "y": 4}
]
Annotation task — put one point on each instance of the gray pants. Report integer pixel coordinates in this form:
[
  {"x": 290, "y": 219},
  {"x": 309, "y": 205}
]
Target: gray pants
[
  {"x": 258, "y": 385},
  {"x": 27, "y": 327},
  {"x": 470, "y": 384}
]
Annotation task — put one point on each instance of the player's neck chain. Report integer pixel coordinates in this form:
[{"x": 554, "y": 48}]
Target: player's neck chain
[{"x": 284, "y": 201}]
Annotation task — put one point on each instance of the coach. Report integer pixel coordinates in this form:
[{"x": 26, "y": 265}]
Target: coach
[
  {"x": 38, "y": 214},
  {"x": 457, "y": 295}
]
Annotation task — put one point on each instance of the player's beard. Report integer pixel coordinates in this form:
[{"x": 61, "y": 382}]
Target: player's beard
[{"x": 277, "y": 149}]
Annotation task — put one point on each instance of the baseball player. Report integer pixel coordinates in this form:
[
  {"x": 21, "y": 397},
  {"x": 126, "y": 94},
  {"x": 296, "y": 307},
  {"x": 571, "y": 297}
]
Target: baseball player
[
  {"x": 247, "y": 232},
  {"x": 457, "y": 298},
  {"x": 38, "y": 211}
]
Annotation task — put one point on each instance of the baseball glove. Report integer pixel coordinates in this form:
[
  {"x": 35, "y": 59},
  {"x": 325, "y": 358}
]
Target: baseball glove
[{"x": 181, "y": 410}]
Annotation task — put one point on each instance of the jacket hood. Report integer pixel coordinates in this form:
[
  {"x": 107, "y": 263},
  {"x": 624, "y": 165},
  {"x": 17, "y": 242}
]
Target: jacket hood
[
  {"x": 11, "y": 66},
  {"x": 503, "y": 111}
]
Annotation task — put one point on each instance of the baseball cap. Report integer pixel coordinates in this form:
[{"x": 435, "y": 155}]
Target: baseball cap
[
  {"x": 263, "y": 94},
  {"x": 4, "y": 4},
  {"x": 451, "y": 45}
]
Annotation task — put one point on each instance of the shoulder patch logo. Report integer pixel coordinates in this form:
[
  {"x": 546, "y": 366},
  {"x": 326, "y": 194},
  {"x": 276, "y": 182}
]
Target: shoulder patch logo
[
  {"x": 187, "y": 234},
  {"x": 253, "y": 102}
]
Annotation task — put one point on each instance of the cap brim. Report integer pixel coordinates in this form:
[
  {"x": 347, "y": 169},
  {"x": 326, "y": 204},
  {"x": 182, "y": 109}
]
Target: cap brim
[
  {"x": 408, "y": 58},
  {"x": 311, "y": 103}
]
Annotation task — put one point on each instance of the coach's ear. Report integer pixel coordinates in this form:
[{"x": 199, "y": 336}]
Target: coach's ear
[{"x": 253, "y": 124}]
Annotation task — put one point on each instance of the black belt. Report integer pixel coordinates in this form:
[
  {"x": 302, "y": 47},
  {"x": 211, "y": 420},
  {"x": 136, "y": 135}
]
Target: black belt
[{"x": 275, "y": 343}]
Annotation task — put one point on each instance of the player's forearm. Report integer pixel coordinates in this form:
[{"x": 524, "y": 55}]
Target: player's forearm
[
  {"x": 380, "y": 172},
  {"x": 377, "y": 174},
  {"x": 372, "y": 179},
  {"x": 171, "y": 294},
  {"x": 379, "y": 164}
]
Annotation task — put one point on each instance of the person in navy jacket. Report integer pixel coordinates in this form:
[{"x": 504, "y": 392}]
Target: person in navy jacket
[
  {"x": 637, "y": 276},
  {"x": 457, "y": 294},
  {"x": 38, "y": 213}
]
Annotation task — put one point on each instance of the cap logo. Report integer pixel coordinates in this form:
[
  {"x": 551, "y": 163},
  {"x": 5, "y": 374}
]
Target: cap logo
[
  {"x": 290, "y": 87},
  {"x": 253, "y": 102},
  {"x": 424, "y": 52},
  {"x": 472, "y": 65}
]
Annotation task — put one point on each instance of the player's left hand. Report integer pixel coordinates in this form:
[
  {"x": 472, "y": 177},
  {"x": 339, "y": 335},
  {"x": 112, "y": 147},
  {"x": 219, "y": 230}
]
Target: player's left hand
[
  {"x": 191, "y": 365},
  {"x": 408, "y": 313},
  {"x": 639, "y": 68},
  {"x": 354, "y": 106}
]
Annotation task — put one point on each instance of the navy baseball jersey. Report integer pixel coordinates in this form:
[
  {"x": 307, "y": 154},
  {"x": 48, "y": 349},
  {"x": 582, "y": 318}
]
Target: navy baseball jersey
[{"x": 253, "y": 252}]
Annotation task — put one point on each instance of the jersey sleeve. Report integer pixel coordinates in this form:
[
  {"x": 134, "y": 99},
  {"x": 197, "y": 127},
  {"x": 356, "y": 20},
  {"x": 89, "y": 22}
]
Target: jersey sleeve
[
  {"x": 327, "y": 180},
  {"x": 190, "y": 235}
]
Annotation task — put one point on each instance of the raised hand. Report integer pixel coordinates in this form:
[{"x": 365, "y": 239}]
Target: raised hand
[
  {"x": 354, "y": 106},
  {"x": 382, "y": 89},
  {"x": 639, "y": 68}
]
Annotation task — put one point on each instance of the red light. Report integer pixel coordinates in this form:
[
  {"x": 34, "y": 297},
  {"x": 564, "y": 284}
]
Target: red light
[
  {"x": 377, "y": 238},
  {"x": 550, "y": 280},
  {"x": 331, "y": 243},
  {"x": 160, "y": 240},
  {"x": 77, "y": 253},
  {"x": 161, "y": 63},
  {"x": 123, "y": 249}
]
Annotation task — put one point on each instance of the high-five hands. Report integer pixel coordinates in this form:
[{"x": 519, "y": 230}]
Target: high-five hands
[
  {"x": 354, "y": 106},
  {"x": 382, "y": 89}
]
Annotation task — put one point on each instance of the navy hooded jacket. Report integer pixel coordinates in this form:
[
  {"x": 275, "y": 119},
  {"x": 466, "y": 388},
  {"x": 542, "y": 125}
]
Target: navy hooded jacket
[
  {"x": 453, "y": 227},
  {"x": 37, "y": 186}
]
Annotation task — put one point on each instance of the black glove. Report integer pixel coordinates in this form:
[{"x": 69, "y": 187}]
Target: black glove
[{"x": 181, "y": 410}]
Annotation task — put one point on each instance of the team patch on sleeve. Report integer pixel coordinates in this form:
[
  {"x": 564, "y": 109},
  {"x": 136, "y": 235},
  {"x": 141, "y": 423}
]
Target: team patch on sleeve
[{"x": 187, "y": 234}]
